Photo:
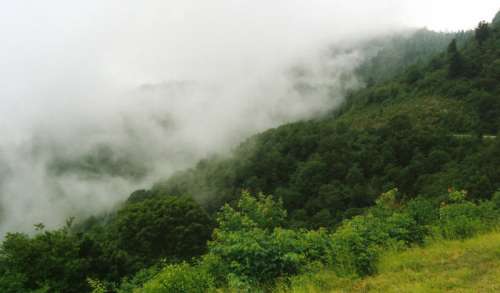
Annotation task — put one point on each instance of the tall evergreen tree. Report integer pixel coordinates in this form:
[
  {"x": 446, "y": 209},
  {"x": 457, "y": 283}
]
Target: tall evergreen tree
[
  {"x": 482, "y": 32},
  {"x": 454, "y": 59}
]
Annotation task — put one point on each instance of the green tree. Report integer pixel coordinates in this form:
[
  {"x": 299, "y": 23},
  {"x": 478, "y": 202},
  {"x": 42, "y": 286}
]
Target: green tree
[
  {"x": 249, "y": 244},
  {"x": 171, "y": 227},
  {"x": 482, "y": 32},
  {"x": 50, "y": 259},
  {"x": 455, "y": 60}
]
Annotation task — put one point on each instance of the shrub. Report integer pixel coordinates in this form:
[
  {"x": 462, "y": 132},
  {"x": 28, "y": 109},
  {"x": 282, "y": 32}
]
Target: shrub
[
  {"x": 180, "y": 278},
  {"x": 461, "y": 220},
  {"x": 424, "y": 214},
  {"x": 496, "y": 200},
  {"x": 250, "y": 212},
  {"x": 138, "y": 279},
  {"x": 457, "y": 196},
  {"x": 96, "y": 286},
  {"x": 355, "y": 245},
  {"x": 423, "y": 211},
  {"x": 249, "y": 246},
  {"x": 403, "y": 228}
]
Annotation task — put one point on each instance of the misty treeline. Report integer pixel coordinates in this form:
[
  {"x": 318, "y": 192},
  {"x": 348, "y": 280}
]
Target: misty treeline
[
  {"x": 413, "y": 155},
  {"x": 396, "y": 51}
]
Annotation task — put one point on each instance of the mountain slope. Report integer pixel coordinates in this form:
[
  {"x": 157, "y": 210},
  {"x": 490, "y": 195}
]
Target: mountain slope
[
  {"x": 409, "y": 158},
  {"x": 420, "y": 132}
]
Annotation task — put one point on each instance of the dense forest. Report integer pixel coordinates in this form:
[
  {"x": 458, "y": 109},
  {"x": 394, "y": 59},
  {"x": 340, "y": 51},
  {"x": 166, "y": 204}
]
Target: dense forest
[{"x": 412, "y": 156}]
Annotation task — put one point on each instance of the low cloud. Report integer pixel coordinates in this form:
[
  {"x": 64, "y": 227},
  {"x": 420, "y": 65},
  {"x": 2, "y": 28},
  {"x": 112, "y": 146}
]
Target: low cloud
[{"x": 102, "y": 98}]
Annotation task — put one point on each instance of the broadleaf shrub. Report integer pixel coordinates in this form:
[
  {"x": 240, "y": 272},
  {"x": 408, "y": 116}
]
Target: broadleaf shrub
[
  {"x": 250, "y": 246},
  {"x": 180, "y": 278},
  {"x": 461, "y": 220}
]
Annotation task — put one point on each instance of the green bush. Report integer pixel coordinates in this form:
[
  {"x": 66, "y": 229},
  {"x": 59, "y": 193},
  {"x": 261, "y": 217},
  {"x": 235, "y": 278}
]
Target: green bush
[
  {"x": 357, "y": 242},
  {"x": 403, "y": 228},
  {"x": 249, "y": 246},
  {"x": 253, "y": 257},
  {"x": 423, "y": 211},
  {"x": 425, "y": 214},
  {"x": 251, "y": 212},
  {"x": 138, "y": 279},
  {"x": 181, "y": 277},
  {"x": 355, "y": 245},
  {"x": 496, "y": 200},
  {"x": 460, "y": 220}
]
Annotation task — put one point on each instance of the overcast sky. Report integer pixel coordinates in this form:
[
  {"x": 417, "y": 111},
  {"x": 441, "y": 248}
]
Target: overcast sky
[
  {"x": 130, "y": 42},
  {"x": 447, "y": 15}
]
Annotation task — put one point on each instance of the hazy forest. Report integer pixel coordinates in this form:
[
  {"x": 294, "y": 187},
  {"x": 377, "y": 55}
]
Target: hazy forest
[{"x": 371, "y": 166}]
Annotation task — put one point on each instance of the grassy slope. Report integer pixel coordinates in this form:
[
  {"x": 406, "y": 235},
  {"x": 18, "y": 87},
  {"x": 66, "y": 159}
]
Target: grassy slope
[{"x": 472, "y": 265}]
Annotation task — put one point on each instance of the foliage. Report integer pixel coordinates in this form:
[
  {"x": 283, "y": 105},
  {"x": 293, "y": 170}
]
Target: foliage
[
  {"x": 460, "y": 220},
  {"x": 463, "y": 219},
  {"x": 472, "y": 265},
  {"x": 167, "y": 227},
  {"x": 482, "y": 32},
  {"x": 250, "y": 246},
  {"x": 455, "y": 60},
  {"x": 395, "y": 54},
  {"x": 251, "y": 212},
  {"x": 128, "y": 284},
  {"x": 496, "y": 200},
  {"x": 457, "y": 196},
  {"x": 325, "y": 167},
  {"x": 419, "y": 132},
  {"x": 51, "y": 259},
  {"x": 180, "y": 278},
  {"x": 425, "y": 213},
  {"x": 96, "y": 286},
  {"x": 62, "y": 260},
  {"x": 387, "y": 199},
  {"x": 357, "y": 244}
]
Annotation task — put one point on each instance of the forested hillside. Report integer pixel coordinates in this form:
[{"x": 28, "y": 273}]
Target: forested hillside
[
  {"x": 412, "y": 156},
  {"x": 393, "y": 54},
  {"x": 429, "y": 128}
]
